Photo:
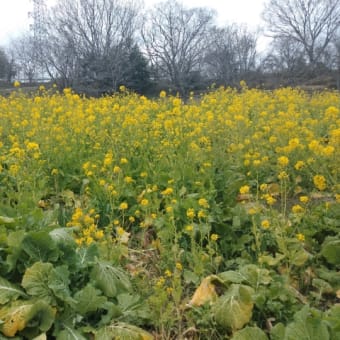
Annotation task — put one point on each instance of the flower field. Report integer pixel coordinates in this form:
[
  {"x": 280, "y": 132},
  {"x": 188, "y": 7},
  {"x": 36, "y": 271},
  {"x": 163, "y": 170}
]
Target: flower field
[{"x": 124, "y": 217}]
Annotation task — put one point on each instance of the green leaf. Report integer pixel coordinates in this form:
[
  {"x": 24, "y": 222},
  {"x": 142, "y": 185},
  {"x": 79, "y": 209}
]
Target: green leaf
[
  {"x": 40, "y": 246},
  {"x": 322, "y": 285},
  {"x": 88, "y": 300},
  {"x": 255, "y": 275},
  {"x": 62, "y": 235},
  {"x": 300, "y": 257},
  {"x": 122, "y": 331},
  {"x": 86, "y": 255},
  {"x": 232, "y": 276},
  {"x": 190, "y": 277},
  {"x": 234, "y": 309},
  {"x": 270, "y": 260},
  {"x": 307, "y": 326},
  {"x": 278, "y": 332},
  {"x": 111, "y": 280},
  {"x": 8, "y": 291},
  {"x": 36, "y": 281},
  {"x": 7, "y": 221},
  {"x": 250, "y": 333},
  {"x": 59, "y": 283},
  {"x": 332, "y": 317},
  {"x": 331, "y": 250},
  {"x": 69, "y": 333}
]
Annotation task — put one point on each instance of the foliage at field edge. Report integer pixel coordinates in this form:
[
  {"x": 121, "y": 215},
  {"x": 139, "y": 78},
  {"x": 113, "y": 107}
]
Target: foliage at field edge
[{"x": 125, "y": 217}]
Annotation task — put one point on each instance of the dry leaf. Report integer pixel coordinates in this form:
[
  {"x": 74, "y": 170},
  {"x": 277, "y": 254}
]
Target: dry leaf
[{"x": 206, "y": 292}]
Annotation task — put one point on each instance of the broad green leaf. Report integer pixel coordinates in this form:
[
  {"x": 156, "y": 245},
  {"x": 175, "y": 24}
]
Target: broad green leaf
[
  {"x": 8, "y": 221},
  {"x": 331, "y": 250},
  {"x": 111, "y": 280},
  {"x": 300, "y": 257},
  {"x": 40, "y": 246},
  {"x": 307, "y": 326},
  {"x": 234, "y": 309},
  {"x": 132, "y": 306},
  {"x": 62, "y": 235},
  {"x": 36, "y": 281},
  {"x": 332, "y": 317},
  {"x": 8, "y": 291},
  {"x": 278, "y": 332},
  {"x": 270, "y": 260},
  {"x": 190, "y": 277},
  {"x": 87, "y": 255},
  {"x": 69, "y": 333},
  {"x": 250, "y": 333},
  {"x": 14, "y": 241},
  {"x": 26, "y": 314},
  {"x": 88, "y": 300},
  {"x": 122, "y": 331},
  {"x": 322, "y": 285},
  {"x": 59, "y": 283},
  {"x": 232, "y": 276},
  {"x": 255, "y": 276}
]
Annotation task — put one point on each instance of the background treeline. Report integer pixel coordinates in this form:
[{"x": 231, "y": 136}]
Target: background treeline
[{"x": 94, "y": 46}]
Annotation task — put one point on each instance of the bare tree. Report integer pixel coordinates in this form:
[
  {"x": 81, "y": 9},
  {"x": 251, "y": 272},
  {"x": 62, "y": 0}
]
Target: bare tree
[
  {"x": 175, "y": 39},
  {"x": 231, "y": 54},
  {"x": 89, "y": 39},
  {"x": 23, "y": 51},
  {"x": 4, "y": 64},
  {"x": 311, "y": 23},
  {"x": 285, "y": 60}
]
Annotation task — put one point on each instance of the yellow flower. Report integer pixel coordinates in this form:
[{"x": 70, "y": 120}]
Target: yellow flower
[
  {"x": 282, "y": 175},
  {"x": 123, "y": 206},
  {"x": 263, "y": 187},
  {"x": 189, "y": 228},
  {"x": 201, "y": 214},
  {"x": 214, "y": 237},
  {"x": 191, "y": 213},
  {"x": 179, "y": 266},
  {"x": 16, "y": 83},
  {"x": 116, "y": 169},
  {"x": 143, "y": 174},
  {"x": 162, "y": 94},
  {"x": 203, "y": 203},
  {"x": 123, "y": 161},
  {"x": 160, "y": 282},
  {"x": 283, "y": 161},
  {"x": 128, "y": 179},
  {"x": 299, "y": 165},
  {"x": 167, "y": 191},
  {"x": 297, "y": 209},
  {"x": 304, "y": 199},
  {"x": 168, "y": 273},
  {"x": 320, "y": 182},
  {"x": 300, "y": 237},
  {"x": 265, "y": 224},
  {"x": 244, "y": 189},
  {"x": 144, "y": 202},
  {"x": 99, "y": 234}
]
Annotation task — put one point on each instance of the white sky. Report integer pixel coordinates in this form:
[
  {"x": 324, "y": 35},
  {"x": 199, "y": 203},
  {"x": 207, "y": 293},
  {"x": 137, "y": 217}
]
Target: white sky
[{"x": 14, "y": 13}]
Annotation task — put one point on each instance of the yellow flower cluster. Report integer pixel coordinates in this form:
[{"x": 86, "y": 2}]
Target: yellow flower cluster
[{"x": 86, "y": 227}]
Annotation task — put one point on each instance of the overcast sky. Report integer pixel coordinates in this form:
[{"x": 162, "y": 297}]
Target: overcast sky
[{"x": 14, "y": 13}]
